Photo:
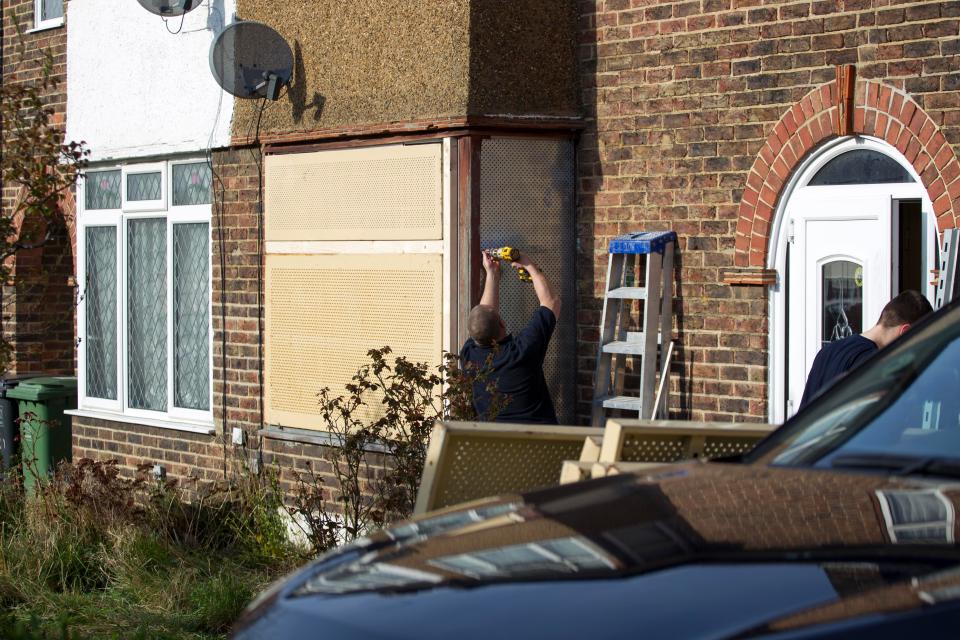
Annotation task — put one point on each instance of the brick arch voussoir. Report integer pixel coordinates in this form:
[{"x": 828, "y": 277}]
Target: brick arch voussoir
[
  {"x": 880, "y": 111},
  {"x": 67, "y": 209}
]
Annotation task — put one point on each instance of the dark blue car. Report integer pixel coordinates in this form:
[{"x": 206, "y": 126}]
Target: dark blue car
[{"x": 842, "y": 524}]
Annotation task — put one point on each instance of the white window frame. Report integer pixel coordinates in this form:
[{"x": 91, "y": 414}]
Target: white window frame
[
  {"x": 39, "y": 23},
  {"x": 119, "y": 219}
]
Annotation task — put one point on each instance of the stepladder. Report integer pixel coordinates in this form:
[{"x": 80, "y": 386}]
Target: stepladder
[
  {"x": 642, "y": 340},
  {"x": 948, "y": 274}
]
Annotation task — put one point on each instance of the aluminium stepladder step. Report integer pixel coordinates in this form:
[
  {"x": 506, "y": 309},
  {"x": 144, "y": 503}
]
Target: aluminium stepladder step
[{"x": 650, "y": 346}]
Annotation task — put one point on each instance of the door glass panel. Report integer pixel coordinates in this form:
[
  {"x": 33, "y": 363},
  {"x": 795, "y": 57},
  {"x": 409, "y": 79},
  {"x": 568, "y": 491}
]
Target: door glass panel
[
  {"x": 842, "y": 300},
  {"x": 862, "y": 166}
]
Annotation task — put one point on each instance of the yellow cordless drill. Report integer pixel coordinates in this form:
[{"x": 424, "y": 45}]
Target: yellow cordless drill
[{"x": 509, "y": 254}]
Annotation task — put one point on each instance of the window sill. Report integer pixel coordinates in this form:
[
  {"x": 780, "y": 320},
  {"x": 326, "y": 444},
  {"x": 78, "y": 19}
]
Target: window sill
[
  {"x": 46, "y": 26},
  {"x": 309, "y": 436},
  {"x": 191, "y": 427}
]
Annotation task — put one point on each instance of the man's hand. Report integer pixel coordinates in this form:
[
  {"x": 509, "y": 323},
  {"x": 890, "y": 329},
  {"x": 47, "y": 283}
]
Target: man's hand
[
  {"x": 490, "y": 265},
  {"x": 523, "y": 261}
]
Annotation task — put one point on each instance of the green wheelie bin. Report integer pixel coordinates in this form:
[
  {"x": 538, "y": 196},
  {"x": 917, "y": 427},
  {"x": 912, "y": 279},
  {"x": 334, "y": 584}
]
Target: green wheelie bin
[{"x": 45, "y": 432}]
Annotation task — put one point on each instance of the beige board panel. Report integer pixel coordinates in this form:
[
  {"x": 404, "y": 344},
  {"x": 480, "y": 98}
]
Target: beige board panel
[
  {"x": 392, "y": 192},
  {"x": 324, "y": 312}
]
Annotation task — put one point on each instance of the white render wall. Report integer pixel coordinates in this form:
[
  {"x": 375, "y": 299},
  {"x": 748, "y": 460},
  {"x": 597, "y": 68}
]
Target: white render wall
[{"x": 134, "y": 89}]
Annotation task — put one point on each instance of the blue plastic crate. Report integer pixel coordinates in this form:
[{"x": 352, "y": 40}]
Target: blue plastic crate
[{"x": 642, "y": 242}]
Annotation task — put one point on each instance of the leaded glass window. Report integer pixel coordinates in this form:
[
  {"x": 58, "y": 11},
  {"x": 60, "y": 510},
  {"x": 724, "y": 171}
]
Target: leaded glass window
[
  {"x": 100, "y": 294},
  {"x": 841, "y": 303},
  {"x": 147, "y": 314},
  {"x": 861, "y": 166},
  {"x": 192, "y": 183},
  {"x": 191, "y": 317},
  {"x": 146, "y": 294},
  {"x": 102, "y": 190},
  {"x": 144, "y": 186}
]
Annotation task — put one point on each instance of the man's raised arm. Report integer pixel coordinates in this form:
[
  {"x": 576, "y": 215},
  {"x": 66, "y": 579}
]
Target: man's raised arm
[
  {"x": 491, "y": 288},
  {"x": 545, "y": 294}
]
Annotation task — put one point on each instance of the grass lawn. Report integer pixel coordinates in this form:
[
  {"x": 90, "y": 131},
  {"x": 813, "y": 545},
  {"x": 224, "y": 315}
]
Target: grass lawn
[{"x": 95, "y": 556}]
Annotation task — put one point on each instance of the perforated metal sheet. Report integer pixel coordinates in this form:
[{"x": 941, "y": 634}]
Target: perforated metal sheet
[
  {"x": 377, "y": 193},
  {"x": 324, "y": 312},
  {"x": 527, "y": 202}
]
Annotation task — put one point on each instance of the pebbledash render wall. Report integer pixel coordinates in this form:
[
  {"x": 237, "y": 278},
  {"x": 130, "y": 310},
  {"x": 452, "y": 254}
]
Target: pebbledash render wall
[
  {"x": 698, "y": 112},
  {"x": 38, "y": 313},
  {"x": 368, "y": 63}
]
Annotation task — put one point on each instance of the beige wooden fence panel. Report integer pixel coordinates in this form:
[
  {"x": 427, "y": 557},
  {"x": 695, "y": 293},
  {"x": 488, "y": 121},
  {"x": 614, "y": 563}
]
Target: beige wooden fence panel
[{"x": 470, "y": 460}]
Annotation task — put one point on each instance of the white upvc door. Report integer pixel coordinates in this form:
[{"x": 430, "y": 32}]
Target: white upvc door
[
  {"x": 840, "y": 270},
  {"x": 836, "y": 247}
]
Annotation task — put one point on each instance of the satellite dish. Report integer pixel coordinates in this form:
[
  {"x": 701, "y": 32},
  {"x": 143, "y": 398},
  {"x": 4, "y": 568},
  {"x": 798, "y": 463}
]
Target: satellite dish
[
  {"x": 251, "y": 60},
  {"x": 168, "y": 8}
]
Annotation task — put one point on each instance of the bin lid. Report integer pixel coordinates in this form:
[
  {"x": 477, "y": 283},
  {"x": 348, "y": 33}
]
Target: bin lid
[
  {"x": 44, "y": 388},
  {"x": 9, "y": 382}
]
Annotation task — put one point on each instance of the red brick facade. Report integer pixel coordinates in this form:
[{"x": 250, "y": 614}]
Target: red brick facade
[
  {"x": 699, "y": 111},
  {"x": 39, "y": 312}
]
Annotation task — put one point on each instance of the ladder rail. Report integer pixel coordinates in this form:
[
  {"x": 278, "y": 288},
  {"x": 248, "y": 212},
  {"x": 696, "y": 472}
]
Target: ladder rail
[
  {"x": 608, "y": 321},
  {"x": 651, "y": 325}
]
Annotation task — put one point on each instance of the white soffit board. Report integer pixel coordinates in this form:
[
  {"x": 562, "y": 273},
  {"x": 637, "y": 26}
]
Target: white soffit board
[
  {"x": 390, "y": 192},
  {"x": 324, "y": 312}
]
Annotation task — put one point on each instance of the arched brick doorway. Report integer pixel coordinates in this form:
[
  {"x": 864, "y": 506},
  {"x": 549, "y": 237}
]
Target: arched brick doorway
[
  {"x": 40, "y": 303},
  {"x": 874, "y": 110},
  {"x": 878, "y": 110}
]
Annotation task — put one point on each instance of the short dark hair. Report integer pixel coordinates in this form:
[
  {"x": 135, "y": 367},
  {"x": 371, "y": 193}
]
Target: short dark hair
[
  {"x": 906, "y": 308},
  {"x": 483, "y": 323}
]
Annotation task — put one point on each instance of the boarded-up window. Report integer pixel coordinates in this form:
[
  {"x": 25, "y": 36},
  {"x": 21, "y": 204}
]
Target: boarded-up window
[
  {"x": 391, "y": 192},
  {"x": 324, "y": 312}
]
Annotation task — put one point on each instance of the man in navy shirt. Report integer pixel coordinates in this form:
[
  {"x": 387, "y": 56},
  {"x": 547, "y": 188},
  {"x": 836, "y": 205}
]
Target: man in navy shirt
[
  {"x": 841, "y": 356},
  {"x": 517, "y": 361}
]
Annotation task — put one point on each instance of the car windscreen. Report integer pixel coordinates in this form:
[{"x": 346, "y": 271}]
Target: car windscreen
[{"x": 904, "y": 405}]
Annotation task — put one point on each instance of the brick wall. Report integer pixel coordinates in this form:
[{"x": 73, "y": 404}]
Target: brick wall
[
  {"x": 183, "y": 455},
  {"x": 681, "y": 98},
  {"x": 39, "y": 312},
  {"x": 236, "y": 186}
]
